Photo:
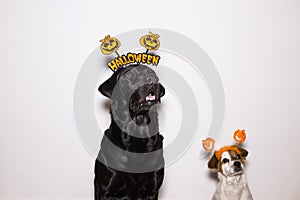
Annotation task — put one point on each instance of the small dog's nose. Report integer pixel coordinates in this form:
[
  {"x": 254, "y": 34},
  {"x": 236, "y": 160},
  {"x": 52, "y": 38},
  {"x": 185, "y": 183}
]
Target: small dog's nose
[{"x": 237, "y": 164}]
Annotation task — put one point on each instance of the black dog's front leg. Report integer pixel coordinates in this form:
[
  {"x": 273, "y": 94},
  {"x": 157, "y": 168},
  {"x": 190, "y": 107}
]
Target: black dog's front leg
[
  {"x": 149, "y": 191},
  {"x": 109, "y": 184},
  {"x": 116, "y": 192}
]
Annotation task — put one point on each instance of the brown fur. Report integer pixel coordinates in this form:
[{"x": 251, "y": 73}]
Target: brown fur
[{"x": 214, "y": 163}]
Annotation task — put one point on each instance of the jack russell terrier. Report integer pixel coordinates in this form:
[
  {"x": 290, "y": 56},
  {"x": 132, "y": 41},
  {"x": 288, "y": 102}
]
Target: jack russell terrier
[{"x": 229, "y": 163}]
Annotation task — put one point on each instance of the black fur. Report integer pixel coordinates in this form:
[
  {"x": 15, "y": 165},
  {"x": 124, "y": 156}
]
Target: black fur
[{"x": 114, "y": 184}]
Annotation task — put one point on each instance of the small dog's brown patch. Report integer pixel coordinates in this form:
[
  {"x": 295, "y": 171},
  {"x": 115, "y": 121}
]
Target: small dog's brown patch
[{"x": 214, "y": 162}]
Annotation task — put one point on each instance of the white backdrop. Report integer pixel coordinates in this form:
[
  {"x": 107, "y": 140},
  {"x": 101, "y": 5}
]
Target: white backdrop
[{"x": 255, "y": 45}]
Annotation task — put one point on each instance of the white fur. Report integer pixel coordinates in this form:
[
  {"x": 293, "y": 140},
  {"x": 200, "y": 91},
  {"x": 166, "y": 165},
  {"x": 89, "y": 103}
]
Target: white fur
[
  {"x": 228, "y": 168},
  {"x": 231, "y": 186}
]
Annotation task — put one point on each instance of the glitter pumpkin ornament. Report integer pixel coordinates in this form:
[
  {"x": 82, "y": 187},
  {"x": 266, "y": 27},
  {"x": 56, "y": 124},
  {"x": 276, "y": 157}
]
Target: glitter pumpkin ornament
[
  {"x": 110, "y": 45},
  {"x": 150, "y": 42}
]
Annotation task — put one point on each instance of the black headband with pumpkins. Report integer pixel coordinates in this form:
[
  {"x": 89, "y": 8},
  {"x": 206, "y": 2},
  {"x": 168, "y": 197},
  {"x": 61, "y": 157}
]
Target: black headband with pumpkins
[{"x": 150, "y": 42}]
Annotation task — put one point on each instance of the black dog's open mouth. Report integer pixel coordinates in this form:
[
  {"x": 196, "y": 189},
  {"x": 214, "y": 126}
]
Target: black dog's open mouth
[
  {"x": 144, "y": 98},
  {"x": 145, "y": 104},
  {"x": 150, "y": 99},
  {"x": 141, "y": 105}
]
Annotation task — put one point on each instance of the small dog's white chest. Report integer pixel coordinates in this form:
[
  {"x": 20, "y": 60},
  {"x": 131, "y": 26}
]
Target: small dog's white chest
[
  {"x": 231, "y": 192},
  {"x": 232, "y": 188}
]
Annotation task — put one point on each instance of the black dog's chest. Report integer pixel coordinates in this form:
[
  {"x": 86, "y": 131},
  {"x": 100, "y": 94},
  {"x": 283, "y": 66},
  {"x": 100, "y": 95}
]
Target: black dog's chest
[{"x": 133, "y": 144}]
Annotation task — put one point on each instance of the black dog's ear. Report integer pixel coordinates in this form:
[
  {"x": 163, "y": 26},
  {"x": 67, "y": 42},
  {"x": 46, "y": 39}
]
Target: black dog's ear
[
  {"x": 213, "y": 163},
  {"x": 107, "y": 87},
  {"x": 161, "y": 90}
]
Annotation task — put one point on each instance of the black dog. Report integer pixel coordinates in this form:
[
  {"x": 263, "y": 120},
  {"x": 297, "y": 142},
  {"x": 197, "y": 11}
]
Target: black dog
[{"x": 123, "y": 169}]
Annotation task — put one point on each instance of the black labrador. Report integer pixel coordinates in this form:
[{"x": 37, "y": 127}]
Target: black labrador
[{"x": 123, "y": 169}]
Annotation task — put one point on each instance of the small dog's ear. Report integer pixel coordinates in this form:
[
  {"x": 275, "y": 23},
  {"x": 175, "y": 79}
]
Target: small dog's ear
[
  {"x": 107, "y": 87},
  {"x": 213, "y": 163},
  {"x": 244, "y": 152}
]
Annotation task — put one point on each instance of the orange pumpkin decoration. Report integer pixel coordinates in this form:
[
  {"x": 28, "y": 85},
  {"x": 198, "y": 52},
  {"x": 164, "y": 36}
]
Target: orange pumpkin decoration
[
  {"x": 239, "y": 136},
  {"x": 208, "y": 144}
]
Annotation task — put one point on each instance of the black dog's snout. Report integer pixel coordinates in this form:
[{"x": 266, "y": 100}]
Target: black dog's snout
[{"x": 237, "y": 164}]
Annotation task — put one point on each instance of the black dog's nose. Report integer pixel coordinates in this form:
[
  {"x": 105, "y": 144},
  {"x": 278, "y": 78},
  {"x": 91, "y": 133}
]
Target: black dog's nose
[{"x": 237, "y": 164}]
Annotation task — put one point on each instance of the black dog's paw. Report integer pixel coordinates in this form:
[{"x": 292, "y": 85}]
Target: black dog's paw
[{"x": 153, "y": 196}]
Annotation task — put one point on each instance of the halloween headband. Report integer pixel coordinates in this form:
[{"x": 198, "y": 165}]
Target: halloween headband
[
  {"x": 239, "y": 136},
  {"x": 226, "y": 148},
  {"x": 111, "y": 45}
]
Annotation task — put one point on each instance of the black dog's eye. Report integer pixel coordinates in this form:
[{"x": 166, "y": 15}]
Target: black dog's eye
[
  {"x": 225, "y": 160},
  {"x": 238, "y": 156},
  {"x": 150, "y": 80}
]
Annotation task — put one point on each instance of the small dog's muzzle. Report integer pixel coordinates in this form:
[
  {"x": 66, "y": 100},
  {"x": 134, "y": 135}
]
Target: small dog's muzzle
[{"x": 237, "y": 166}]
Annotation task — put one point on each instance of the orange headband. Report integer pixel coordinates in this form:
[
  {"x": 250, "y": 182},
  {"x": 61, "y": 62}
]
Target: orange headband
[{"x": 226, "y": 148}]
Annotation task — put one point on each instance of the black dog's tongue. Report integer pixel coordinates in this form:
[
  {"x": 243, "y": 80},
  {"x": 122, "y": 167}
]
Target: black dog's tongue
[{"x": 150, "y": 97}]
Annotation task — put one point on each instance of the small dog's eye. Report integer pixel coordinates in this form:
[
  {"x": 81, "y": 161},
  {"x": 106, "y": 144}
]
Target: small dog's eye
[
  {"x": 238, "y": 156},
  {"x": 225, "y": 160}
]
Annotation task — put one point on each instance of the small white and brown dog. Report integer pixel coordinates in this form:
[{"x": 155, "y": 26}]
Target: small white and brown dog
[{"x": 229, "y": 162}]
